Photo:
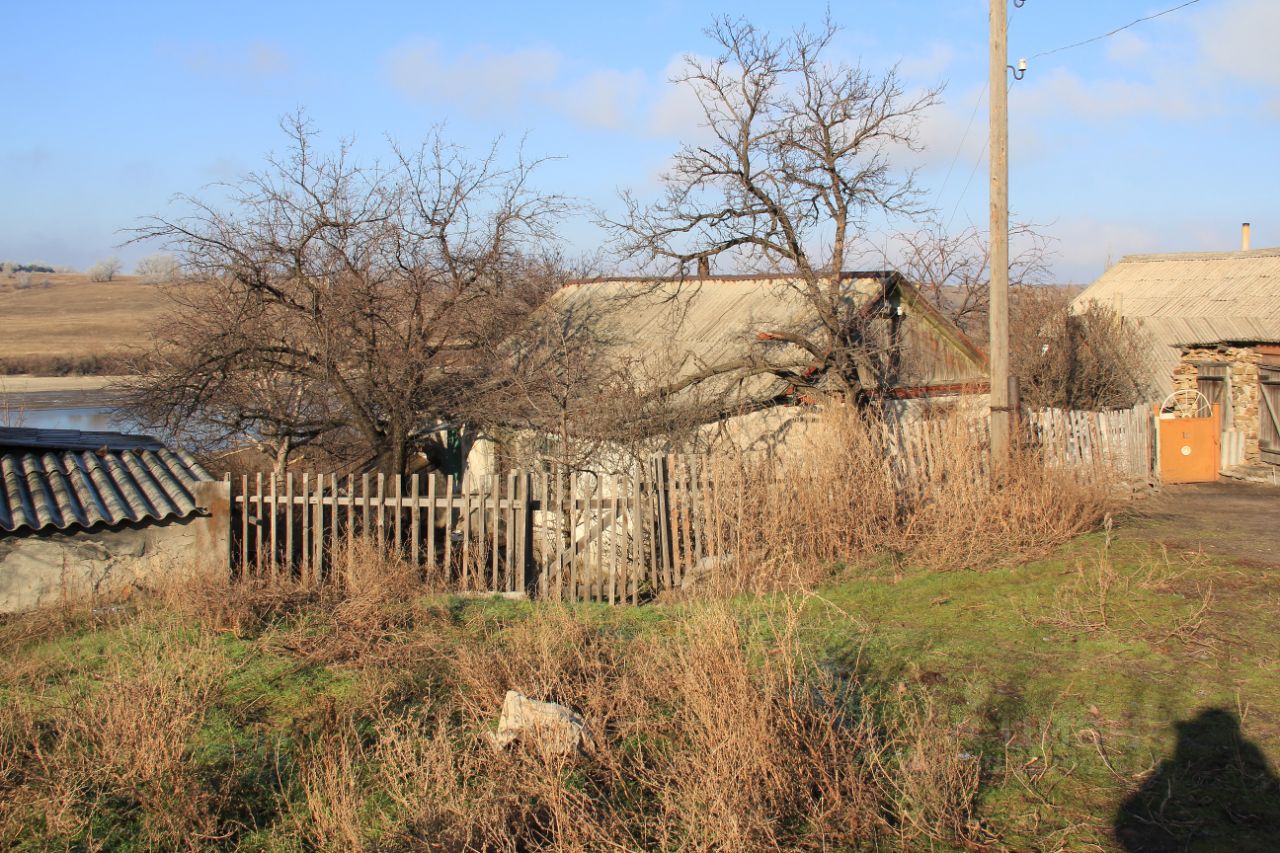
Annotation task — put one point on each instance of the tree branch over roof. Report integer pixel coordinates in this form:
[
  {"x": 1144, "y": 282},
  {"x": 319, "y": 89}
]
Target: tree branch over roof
[{"x": 800, "y": 157}]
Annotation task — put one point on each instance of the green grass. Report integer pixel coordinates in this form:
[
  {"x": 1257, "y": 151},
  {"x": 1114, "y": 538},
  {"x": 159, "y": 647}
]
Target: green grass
[
  {"x": 1072, "y": 711},
  {"x": 1072, "y": 699}
]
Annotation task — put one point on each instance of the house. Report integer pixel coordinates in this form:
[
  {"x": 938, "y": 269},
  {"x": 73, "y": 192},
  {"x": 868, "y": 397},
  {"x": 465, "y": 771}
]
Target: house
[
  {"x": 97, "y": 513},
  {"x": 1213, "y": 319},
  {"x": 723, "y": 349}
]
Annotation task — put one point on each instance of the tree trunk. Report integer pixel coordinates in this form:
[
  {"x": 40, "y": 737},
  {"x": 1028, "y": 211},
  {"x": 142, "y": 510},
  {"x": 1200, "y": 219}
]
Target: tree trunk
[{"x": 283, "y": 447}]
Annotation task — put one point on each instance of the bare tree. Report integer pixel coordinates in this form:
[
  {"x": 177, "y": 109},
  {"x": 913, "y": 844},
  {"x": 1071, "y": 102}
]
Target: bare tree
[
  {"x": 799, "y": 157},
  {"x": 952, "y": 269},
  {"x": 158, "y": 269},
  {"x": 369, "y": 295},
  {"x": 105, "y": 269},
  {"x": 206, "y": 386},
  {"x": 564, "y": 392}
]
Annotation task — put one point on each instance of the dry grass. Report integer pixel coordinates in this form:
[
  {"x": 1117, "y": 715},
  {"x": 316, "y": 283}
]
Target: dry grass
[
  {"x": 366, "y": 609},
  {"x": 118, "y": 742},
  {"x": 1099, "y": 598},
  {"x": 717, "y": 730},
  {"x": 721, "y": 735},
  {"x": 58, "y": 323},
  {"x": 786, "y": 520},
  {"x": 284, "y": 717}
]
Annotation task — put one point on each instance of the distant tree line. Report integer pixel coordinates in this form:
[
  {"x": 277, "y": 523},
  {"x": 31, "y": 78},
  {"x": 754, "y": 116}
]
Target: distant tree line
[{"x": 11, "y": 267}]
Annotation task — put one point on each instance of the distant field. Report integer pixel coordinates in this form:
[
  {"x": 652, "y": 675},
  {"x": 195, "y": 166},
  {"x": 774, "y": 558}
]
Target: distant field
[{"x": 60, "y": 323}]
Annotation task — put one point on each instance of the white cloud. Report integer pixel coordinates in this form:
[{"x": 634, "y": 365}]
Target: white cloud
[
  {"x": 1086, "y": 245},
  {"x": 1127, "y": 49},
  {"x": 480, "y": 79},
  {"x": 1063, "y": 92},
  {"x": 484, "y": 81},
  {"x": 930, "y": 66},
  {"x": 954, "y": 130},
  {"x": 605, "y": 98},
  {"x": 674, "y": 110},
  {"x": 1239, "y": 39}
]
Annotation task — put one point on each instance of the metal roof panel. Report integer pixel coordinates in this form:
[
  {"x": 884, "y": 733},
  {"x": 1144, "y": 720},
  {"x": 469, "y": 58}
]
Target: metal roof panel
[{"x": 47, "y": 487}]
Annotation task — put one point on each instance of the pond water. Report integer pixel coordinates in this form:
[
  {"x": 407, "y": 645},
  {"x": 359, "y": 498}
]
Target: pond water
[
  {"x": 86, "y": 418},
  {"x": 66, "y": 412}
]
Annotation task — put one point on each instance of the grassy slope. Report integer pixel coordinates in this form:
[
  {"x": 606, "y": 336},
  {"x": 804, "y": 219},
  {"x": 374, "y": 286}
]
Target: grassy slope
[
  {"x": 1067, "y": 674},
  {"x": 68, "y": 316},
  {"x": 1065, "y": 666}
]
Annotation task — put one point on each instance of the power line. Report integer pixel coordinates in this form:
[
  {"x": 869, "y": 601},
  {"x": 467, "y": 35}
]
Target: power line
[
  {"x": 976, "y": 163},
  {"x": 1008, "y": 23},
  {"x": 964, "y": 137},
  {"x": 1116, "y": 30}
]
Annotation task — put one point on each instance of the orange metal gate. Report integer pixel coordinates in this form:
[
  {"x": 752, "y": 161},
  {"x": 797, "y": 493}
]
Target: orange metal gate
[{"x": 1190, "y": 448}]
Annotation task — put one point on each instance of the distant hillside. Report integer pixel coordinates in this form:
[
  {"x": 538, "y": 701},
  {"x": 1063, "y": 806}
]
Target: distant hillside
[{"x": 53, "y": 324}]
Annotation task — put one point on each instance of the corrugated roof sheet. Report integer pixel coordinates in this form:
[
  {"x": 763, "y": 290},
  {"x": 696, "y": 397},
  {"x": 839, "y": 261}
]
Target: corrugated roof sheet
[
  {"x": 1193, "y": 298},
  {"x": 47, "y": 485},
  {"x": 669, "y": 330},
  {"x": 74, "y": 439}
]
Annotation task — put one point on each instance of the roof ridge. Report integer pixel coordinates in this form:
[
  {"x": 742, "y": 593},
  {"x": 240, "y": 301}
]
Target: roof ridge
[
  {"x": 704, "y": 279},
  {"x": 1273, "y": 252}
]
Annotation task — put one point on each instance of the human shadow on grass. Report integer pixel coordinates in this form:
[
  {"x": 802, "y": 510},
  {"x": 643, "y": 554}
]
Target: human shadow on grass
[{"x": 1216, "y": 792}]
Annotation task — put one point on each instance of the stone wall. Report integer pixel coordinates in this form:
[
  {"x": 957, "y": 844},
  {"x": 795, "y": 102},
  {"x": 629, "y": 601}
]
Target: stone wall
[
  {"x": 1243, "y": 390},
  {"x": 38, "y": 569}
]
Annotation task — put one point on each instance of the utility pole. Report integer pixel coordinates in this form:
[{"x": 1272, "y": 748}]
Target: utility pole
[{"x": 999, "y": 292}]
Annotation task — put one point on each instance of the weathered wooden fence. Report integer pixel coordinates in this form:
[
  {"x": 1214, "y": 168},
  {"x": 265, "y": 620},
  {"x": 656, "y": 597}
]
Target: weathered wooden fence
[
  {"x": 581, "y": 536},
  {"x": 1122, "y": 440},
  {"x": 592, "y": 536}
]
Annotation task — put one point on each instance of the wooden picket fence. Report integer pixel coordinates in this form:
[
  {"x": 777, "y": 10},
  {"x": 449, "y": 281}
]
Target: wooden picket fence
[
  {"x": 297, "y": 526},
  {"x": 579, "y": 536},
  {"x": 584, "y": 536}
]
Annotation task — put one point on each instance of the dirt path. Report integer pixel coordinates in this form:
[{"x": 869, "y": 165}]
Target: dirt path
[{"x": 1240, "y": 521}]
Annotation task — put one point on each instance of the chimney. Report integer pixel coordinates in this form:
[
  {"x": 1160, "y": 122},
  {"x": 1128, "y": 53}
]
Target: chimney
[
  {"x": 1244, "y": 236},
  {"x": 704, "y": 265}
]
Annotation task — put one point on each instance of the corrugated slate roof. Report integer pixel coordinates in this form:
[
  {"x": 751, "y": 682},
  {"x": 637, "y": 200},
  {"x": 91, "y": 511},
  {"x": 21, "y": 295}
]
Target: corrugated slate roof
[
  {"x": 67, "y": 486},
  {"x": 1193, "y": 298},
  {"x": 74, "y": 439}
]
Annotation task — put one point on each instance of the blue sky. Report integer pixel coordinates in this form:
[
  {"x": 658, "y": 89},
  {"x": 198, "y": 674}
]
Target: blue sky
[{"x": 1162, "y": 138}]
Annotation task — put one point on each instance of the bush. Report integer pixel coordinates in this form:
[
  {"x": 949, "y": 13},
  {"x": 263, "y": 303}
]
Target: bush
[
  {"x": 105, "y": 269},
  {"x": 158, "y": 269},
  {"x": 1085, "y": 360},
  {"x": 107, "y": 364}
]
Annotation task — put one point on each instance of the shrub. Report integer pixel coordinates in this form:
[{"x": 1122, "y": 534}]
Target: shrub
[
  {"x": 844, "y": 494},
  {"x": 105, "y": 269},
  {"x": 1091, "y": 359},
  {"x": 158, "y": 269},
  {"x": 105, "y": 364}
]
